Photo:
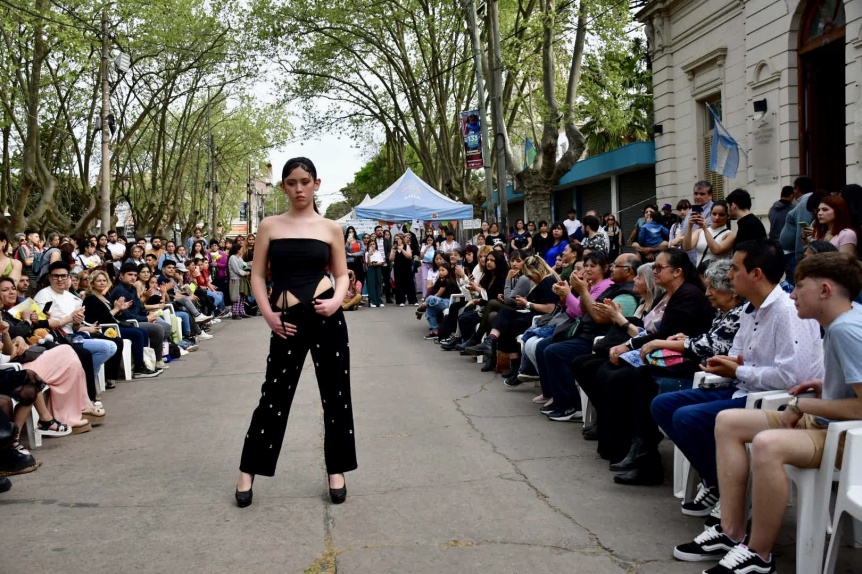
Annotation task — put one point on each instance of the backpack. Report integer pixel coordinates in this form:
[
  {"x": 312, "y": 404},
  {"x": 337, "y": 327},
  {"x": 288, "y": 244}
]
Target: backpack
[{"x": 40, "y": 261}]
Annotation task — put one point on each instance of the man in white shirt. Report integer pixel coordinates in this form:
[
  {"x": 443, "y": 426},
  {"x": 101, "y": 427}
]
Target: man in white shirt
[
  {"x": 449, "y": 245},
  {"x": 67, "y": 314},
  {"x": 773, "y": 350},
  {"x": 117, "y": 249},
  {"x": 826, "y": 286},
  {"x": 573, "y": 227}
]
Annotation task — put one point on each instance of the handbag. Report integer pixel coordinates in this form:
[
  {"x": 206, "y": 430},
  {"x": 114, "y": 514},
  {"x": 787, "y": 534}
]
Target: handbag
[
  {"x": 149, "y": 358},
  {"x": 31, "y": 354},
  {"x": 668, "y": 363},
  {"x": 665, "y": 358}
]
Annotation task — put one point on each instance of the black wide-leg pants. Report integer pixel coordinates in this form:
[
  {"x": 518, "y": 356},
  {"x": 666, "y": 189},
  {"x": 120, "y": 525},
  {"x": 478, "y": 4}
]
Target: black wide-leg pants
[{"x": 326, "y": 338}]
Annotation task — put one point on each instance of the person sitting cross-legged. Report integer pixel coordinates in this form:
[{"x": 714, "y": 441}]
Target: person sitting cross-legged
[{"x": 826, "y": 285}]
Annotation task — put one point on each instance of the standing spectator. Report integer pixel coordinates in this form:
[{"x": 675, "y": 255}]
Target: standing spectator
[
  {"x": 449, "y": 245},
  {"x": 482, "y": 234},
  {"x": 615, "y": 235},
  {"x": 384, "y": 246},
  {"x": 218, "y": 266},
  {"x": 790, "y": 236},
  {"x": 640, "y": 223},
  {"x": 834, "y": 224},
  {"x": 88, "y": 259},
  {"x": 410, "y": 239},
  {"x": 748, "y": 226},
  {"x": 713, "y": 242},
  {"x": 355, "y": 251},
  {"x": 401, "y": 258},
  {"x": 197, "y": 235},
  {"x": 249, "y": 248},
  {"x": 29, "y": 253},
  {"x": 239, "y": 288},
  {"x": 573, "y": 227},
  {"x": 676, "y": 231},
  {"x": 426, "y": 257},
  {"x": 668, "y": 218},
  {"x": 542, "y": 240},
  {"x": 779, "y": 210},
  {"x": 374, "y": 278},
  {"x": 521, "y": 239},
  {"x": 494, "y": 236},
  {"x": 117, "y": 248},
  {"x": 156, "y": 247}
]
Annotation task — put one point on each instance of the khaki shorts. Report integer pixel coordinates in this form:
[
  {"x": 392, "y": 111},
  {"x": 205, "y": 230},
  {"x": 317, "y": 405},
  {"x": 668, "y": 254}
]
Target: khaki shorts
[{"x": 816, "y": 432}]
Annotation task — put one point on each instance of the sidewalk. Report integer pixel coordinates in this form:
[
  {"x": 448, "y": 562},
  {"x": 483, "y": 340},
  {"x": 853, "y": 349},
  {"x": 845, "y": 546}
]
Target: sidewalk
[{"x": 456, "y": 474}]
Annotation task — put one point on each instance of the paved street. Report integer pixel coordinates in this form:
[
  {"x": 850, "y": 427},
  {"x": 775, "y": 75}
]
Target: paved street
[{"x": 456, "y": 474}]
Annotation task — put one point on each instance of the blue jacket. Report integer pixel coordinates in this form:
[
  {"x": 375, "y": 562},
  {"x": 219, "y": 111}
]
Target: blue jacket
[{"x": 137, "y": 311}]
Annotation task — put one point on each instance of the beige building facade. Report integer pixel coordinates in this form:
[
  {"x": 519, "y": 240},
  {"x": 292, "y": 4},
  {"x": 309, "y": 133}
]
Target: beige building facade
[{"x": 784, "y": 75}]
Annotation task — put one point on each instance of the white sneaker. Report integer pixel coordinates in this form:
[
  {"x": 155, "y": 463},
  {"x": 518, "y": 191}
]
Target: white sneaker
[
  {"x": 382, "y": 305},
  {"x": 415, "y": 304},
  {"x": 204, "y": 336},
  {"x": 202, "y": 318},
  {"x": 373, "y": 306},
  {"x": 183, "y": 352},
  {"x": 401, "y": 304},
  {"x": 216, "y": 321}
]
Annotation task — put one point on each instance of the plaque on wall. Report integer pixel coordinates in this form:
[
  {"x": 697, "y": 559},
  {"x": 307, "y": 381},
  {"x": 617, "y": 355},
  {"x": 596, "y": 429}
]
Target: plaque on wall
[{"x": 765, "y": 149}]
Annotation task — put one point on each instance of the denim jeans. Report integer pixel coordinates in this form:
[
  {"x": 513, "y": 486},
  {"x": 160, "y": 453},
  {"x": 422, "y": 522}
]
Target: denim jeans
[
  {"x": 101, "y": 350},
  {"x": 433, "y": 306},
  {"x": 187, "y": 326},
  {"x": 688, "y": 418},
  {"x": 218, "y": 299},
  {"x": 553, "y": 361}
]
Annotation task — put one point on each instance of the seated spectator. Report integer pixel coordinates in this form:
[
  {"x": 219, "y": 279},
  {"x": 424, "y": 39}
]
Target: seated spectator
[
  {"x": 826, "y": 286},
  {"x": 67, "y": 316},
  {"x": 58, "y": 366},
  {"x": 669, "y": 366},
  {"x": 445, "y": 286},
  {"x": 516, "y": 284},
  {"x": 9, "y": 267},
  {"x": 353, "y": 297},
  {"x": 100, "y": 310},
  {"x": 24, "y": 387},
  {"x": 88, "y": 259},
  {"x": 773, "y": 350},
  {"x": 748, "y": 226},
  {"x": 135, "y": 254},
  {"x": 200, "y": 275},
  {"x": 157, "y": 330},
  {"x": 184, "y": 306},
  {"x": 554, "y": 355},
  {"x": 558, "y": 242},
  {"x": 570, "y": 256},
  {"x": 595, "y": 239},
  {"x": 23, "y": 287},
  {"x": 652, "y": 237},
  {"x": 510, "y": 323},
  {"x": 683, "y": 308},
  {"x": 489, "y": 288}
]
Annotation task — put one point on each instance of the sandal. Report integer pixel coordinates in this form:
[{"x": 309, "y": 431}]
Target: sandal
[
  {"x": 95, "y": 415},
  {"x": 86, "y": 427},
  {"x": 52, "y": 427},
  {"x": 109, "y": 385}
]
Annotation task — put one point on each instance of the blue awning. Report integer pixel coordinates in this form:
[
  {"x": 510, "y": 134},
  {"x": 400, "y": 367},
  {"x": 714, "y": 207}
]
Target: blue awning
[{"x": 625, "y": 158}]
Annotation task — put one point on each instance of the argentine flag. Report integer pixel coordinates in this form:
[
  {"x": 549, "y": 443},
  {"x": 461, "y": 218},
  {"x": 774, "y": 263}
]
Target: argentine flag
[{"x": 724, "y": 157}]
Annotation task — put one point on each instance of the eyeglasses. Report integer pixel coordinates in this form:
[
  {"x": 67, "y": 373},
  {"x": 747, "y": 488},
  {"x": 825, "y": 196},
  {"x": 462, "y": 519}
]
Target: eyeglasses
[
  {"x": 658, "y": 267},
  {"x": 59, "y": 277},
  {"x": 615, "y": 266}
]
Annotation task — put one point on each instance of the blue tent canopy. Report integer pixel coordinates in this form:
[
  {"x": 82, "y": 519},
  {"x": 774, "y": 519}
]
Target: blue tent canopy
[{"x": 412, "y": 198}]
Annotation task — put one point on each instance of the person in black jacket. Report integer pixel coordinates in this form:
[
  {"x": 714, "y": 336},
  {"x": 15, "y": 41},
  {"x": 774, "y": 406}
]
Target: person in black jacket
[
  {"x": 625, "y": 392},
  {"x": 158, "y": 331},
  {"x": 779, "y": 210}
]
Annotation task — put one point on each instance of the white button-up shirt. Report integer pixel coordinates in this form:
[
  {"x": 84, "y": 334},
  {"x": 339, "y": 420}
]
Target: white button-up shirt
[{"x": 779, "y": 349}]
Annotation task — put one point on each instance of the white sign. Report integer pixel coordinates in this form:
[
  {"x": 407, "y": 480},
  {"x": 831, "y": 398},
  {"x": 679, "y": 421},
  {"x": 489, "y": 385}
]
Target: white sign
[
  {"x": 361, "y": 226},
  {"x": 471, "y": 224}
]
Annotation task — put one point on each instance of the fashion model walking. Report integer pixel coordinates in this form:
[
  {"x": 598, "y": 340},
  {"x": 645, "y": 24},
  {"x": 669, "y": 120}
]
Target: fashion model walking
[{"x": 304, "y": 313}]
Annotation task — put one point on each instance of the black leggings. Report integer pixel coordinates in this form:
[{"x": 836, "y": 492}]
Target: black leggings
[{"x": 326, "y": 338}]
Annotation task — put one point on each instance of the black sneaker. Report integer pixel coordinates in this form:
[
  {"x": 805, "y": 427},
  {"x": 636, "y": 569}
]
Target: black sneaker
[
  {"x": 703, "y": 503},
  {"x": 551, "y": 408},
  {"x": 570, "y": 414},
  {"x": 741, "y": 560},
  {"x": 145, "y": 373},
  {"x": 13, "y": 461},
  {"x": 710, "y": 544},
  {"x": 5, "y": 484},
  {"x": 432, "y": 336},
  {"x": 512, "y": 382},
  {"x": 714, "y": 517}
]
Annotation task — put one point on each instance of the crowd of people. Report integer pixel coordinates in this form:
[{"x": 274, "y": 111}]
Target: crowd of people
[
  {"x": 71, "y": 304},
  {"x": 575, "y": 311}
]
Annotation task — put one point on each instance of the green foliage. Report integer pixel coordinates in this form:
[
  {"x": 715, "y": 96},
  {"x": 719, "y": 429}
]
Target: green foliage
[{"x": 336, "y": 210}]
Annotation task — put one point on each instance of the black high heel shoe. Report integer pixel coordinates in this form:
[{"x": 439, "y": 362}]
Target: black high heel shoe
[
  {"x": 338, "y": 495},
  {"x": 243, "y": 499}
]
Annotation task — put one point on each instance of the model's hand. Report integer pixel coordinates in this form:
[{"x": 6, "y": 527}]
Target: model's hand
[
  {"x": 283, "y": 330},
  {"x": 326, "y": 307}
]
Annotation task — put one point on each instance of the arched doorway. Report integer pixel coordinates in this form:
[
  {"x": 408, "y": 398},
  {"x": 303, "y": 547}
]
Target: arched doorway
[{"x": 822, "y": 132}]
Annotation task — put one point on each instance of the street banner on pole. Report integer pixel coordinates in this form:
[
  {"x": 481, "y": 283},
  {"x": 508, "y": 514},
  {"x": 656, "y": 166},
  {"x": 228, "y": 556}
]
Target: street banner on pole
[{"x": 471, "y": 129}]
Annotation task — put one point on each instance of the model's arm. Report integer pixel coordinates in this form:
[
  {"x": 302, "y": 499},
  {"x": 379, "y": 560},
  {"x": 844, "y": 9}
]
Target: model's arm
[{"x": 338, "y": 265}]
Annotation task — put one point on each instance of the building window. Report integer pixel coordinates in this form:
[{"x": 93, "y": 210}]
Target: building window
[{"x": 708, "y": 124}]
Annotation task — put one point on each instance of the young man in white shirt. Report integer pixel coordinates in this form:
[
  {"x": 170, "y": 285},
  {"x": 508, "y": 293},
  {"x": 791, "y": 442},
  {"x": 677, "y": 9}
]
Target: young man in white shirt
[
  {"x": 574, "y": 229},
  {"x": 67, "y": 314},
  {"x": 774, "y": 349},
  {"x": 117, "y": 248},
  {"x": 826, "y": 285}
]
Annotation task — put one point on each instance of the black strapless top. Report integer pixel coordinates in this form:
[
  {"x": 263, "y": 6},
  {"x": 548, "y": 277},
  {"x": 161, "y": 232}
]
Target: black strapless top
[{"x": 297, "y": 265}]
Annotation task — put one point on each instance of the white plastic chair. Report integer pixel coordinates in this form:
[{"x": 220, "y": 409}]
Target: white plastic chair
[
  {"x": 848, "y": 505},
  {"x": 813, "y": 492},
  {"x": 127, "y": 349},
  {"x": 452, "y": 299},
  {"x": 684, "y": 480}
]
